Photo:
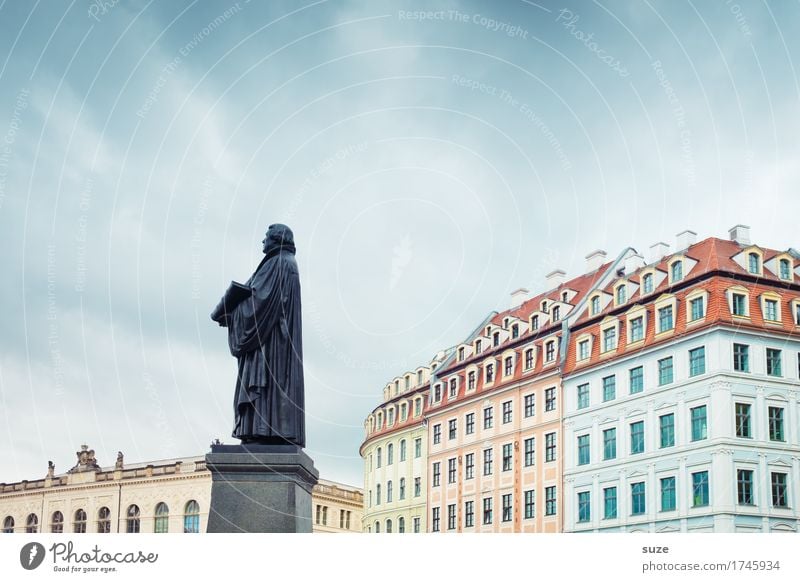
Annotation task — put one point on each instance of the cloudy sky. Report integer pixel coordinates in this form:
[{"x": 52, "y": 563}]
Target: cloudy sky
[{"x": 429, "y": 164}]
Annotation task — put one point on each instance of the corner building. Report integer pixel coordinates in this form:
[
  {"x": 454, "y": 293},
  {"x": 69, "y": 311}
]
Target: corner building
[{"x": 681, "y": 393}]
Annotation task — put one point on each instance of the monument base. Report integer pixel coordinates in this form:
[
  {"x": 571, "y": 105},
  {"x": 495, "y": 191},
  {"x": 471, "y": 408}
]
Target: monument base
[{"x": 258, "y": 488}]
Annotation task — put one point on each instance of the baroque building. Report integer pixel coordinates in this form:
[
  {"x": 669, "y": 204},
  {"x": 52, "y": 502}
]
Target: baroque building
[{"x": 166, "y": 496}]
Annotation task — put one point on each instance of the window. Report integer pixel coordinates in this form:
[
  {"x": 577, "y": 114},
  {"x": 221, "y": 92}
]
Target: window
[
  {"x": 191, "y": 517},
  {"x": 637, "y": 437},
  {"x": 529, "y": 358},
  {"x": 507, "y": 507},
  {"x": 57, "y": 522},
  {"x": 770, "y": 310},
  {"x": 609, "y": 388},
  {"x": 506, "y": 412},
  {"x": 451, "y": 470},
  {"x": 637, "y": 498},
  {"x": 676, "y": 271},
  {"x": 667, "y": 430},
  {"x": 488, "y": 417},
  {"x": 741, "y": 357},
  {"x": 489, "y": 373},
  {"x": 636, "y": 380},
  {"x": 699, "y": 423},
  {"x": 535, "y": 322},
  {"x": 700, "y": 489},
  {"x": 530, "y": 405},
  {"x": 595, "y": 305},
  {"x": 550, "y": 447},
  {"x": 622, "y": 295},
  {"x": 417, "y": 407},
  {"x": 609, "y": 444},
  {"x": 773, "y": 362},
  {"x": 419, "y": 377},
  {"x": 390, "y": 416},
  {"x": 487, "y": 511},
  {"x": 647, "y": 283},
  {"x": 469, "y": 472},
  {"x": 437, "y": 393},
  {"x": 637, "y": 329},
  {"x": 377, "y": 527},
  {"x": 556, "y": 314},
  {"x": 162, "y": 518},
  {"x": 487, "y": 461},
  {"x": 583, "y": 449},
  {"x": 530, "y": 451},
  {"x": 402, "y": 450},
  {"x": 544, "y": 306},
  {"x": 507, "y": 457},
  {"x": 583, "y": 396},
  {"x": 469, "y": 513},
  {"x": 417, "y": 486},
  {"x": 744, "y": 486},
  {"x": 470, "y": 423},
  {"x": 8, "y": 525},
  {"x": 583, "y": 349},
  {"x": 697, "y": 361},
  {"x": 753, "y": 263},
  {"x": 776, "y": 423},
  {"x": 584, "y": 506},
  {"x": 437, "y": 437},
  {"x": 435, "y": 519},
  {"x": 436, "y": 474},
  {"x": 402, "y": 493},
  {"x": 784, "y": 269},
  {"x": 514, "y": 331},
  {"x": 417, "y": 448},
  {"x": 609, "y": 339},
  {"x": 508, "y": 366},
  {"x": 496, "y": 339},
  {"x": 451, "y": 429},
  {"x": 550, "y": 500},
  {"x": 668, "y": 501},
  {"x": 739, "y": 304},
  {"x": 416, "y": 525},
  {"x": 451, "y": 516},
  {"x": 132, "y": 523},
  {"x": 530, "y": 504},
  {"x": 610, "y": 503},
  {"x": 453, "y": 388},
  {"x": 403, "y": 411},
  {"x": 104, "y": 520},
  {"x": 460, "y": 354},
  {"x": 550, "y": 351},
  {"x": 379, "y": 458},
  {"x": 697, "y": 308},
  {"x": 378, "y": 494},
  {"x": 389, "y": 491},
  {"x": 401, "y": 524},
  {"x": 665, "y": 319},
  {"x": 743, "y": 428},
  {"x": 549, "y": 399},
  {"x": 389, "y": 454},
  {"x": 79, "y": 524},
  {"x": 32, "y": 523},
  {"x": 779, "y": 490},
  {"x": 471, "y": 380}
]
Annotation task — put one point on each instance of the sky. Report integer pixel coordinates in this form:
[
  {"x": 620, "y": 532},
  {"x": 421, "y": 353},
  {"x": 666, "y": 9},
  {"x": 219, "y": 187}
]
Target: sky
[{"x": 431, "y": 157}]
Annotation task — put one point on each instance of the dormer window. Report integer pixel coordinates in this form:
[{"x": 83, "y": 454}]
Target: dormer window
[
  {"x": 647, "y": 283},
  {"x": 408, "y": 382},
  {"x": 784, "y": 269},
  {"x": 676, "y": 271},
  {"x": 508, "y": 366},
  {"x": 514, "y": 331},
  {"x": 550, "y": 351},
  {"x": 754, "y": 263},
  {"x": 622, "y": 295},
  {"x": 460, "y": 354},
  {"x": 564, "y": 296},
  {"x": 529, "y": 358},
  {"x": 489, "y": 373},
  {"x": 419, "y": 377},
  {"x": 478, "y": 347},
  {"x": 496, "y": 339},
  {"x": 453, "y": 388},
  {"x": 488, "y": 330},
  {"x": 396, "y": 386},
  {"x": 595, "y": 305},
  {"x": 544, "y": 306},
  {"x": 556, "y": 313},
  {"x": 471, "y": 380},
  {"x": 609, "y": 339},
  {"x": 535, "y": 322},
  {"x": 583, "y": 349},
  {"x": 437, "y": 393}
]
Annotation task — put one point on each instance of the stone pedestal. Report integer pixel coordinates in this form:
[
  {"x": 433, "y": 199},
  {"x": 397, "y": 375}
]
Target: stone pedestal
[{"x": 259, "y": 488}]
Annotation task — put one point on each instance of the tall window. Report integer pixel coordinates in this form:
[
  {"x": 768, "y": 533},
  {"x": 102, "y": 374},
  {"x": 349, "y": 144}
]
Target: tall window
[
  {"x": 132, "y": 520},
  {"x": 437, "y": 438},
  {"x": 437, "y": 474},
  {"x": 549, "y": 399},
  {"x": 637, "y": 329},
  {"x": 739, "y": 304},
  {"x": 514, "y": 331},
  {"x": 417, "y": 407},
  {"x": 677, "y": 271},
  {"x": 506, "y": 412},
  {"x": 488, "y": 417},
  {"x": 402, "y": 492},
  {"x": 451, "y": 516},
  {"x": 469, "y": 513},
  {"x": 496, "y": 338},
  {"x": 610, "y": 503},
  {"x": 774, "y": 362},
  {"x": 162, "y": 518},
  {"x": 417, "y": 448},
  {"x": 609, "y": 444},
  {"x": 79, "y": 524},
  {"x": 57, "y": 523},
  {"x": 622, "y": 295},
  {"x": 609, "y": 339},
  {"x": 665, "y": 318},
  {"x": 435, "y": 519},
  {"x": 744, "y": 486},
  {"x": 778, "y": 481},
  {"x": 697, "y": 361},
  {"x": 550, "y": 500},
  {"x": 530, "y": 405},
  {"x": 636, "y": 379},
  {"x": 667, "y": 430},
  {"x": 451, "y": 429},
  {"x": 776, "y": 423},
  {"x": 784, "y": 269},
  {"x": 487, "y": 510},
  {"x": 469, "y": 422},
  {"x": 595, "y": 305},
  {"x": 453, "y": 388},
  {"x": 550, "y": 446},
  {"x": 535, "y": 322},
  {"x": 451, "y": 470},
  {"x": 378, "y": 493},
  {"x": 583, "y": 449},
  {"x": 487, "y": 461},
  {"x": 471, "y": 380},
  {"x": 753, "y": 263},
  {"x": 530, "y": 451},
  {"x": 507, "y": 507},
  {"x": 770, "y": 310},
  {"x": 583, "y": 349},
  {"x": 699, "y": 423},
  {"x": 667, "y": 493},
  {"x": 401, "y": 524},
  {"x": 8, "y": 525},
  {"x": 637, "y": 498},
  {"x": 697, "y": 308},
  {"x": 507, "y": 457},
  {"x": 389, "y": 454},
  {"x": 417, "y": 486},
  {"x": 104, "y": 520},
  {"x": 583, "y": 396},
  {"x": 665, "y": 371},
  {"x": 741, "y": 357},
  {"x": 402, "y": 450},
  {"x": 700, "y": 488},
  {"x": 378, "y": 527},
  {"x": 637, "y": 437},
  {"x": 556, "y": 313},
  {"x": 609, "y": 388},
  {"x": 647, "y": 283},
  {"x": 469, "y": 471},
  {"x": 743, "y": 428},
  {"x": 584, "y": 506},
  {"x": 389, "y": 491},
  {"x": 530, "y": 504},
  {"x": 32, "y": 523},
  {"x": 550, "y": 351},
  {"x": 378, "y": 455},
  {"x": 529, "y": 358},
  {"x": 489, "y": 373},
  {"x": 508, "y": 366}
]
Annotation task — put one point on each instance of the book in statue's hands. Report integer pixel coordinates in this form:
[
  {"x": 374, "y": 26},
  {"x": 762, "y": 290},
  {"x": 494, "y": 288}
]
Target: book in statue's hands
[{"x": 235, "y": 294}]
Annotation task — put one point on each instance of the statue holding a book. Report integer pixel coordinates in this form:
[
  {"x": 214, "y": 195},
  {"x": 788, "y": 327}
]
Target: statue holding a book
[{"x": 264, "y": 334}]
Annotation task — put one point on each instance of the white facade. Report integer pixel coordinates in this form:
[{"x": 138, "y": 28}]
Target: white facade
[{"x": 721, "y": 453}]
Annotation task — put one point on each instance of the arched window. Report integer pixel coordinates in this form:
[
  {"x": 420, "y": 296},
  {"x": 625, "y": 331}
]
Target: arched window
[
  {"x": 389, "y": 454},
  {"x": 647, "y": 283},
  {"x": 57, "y": 522},
  {"x": 388, "y": 526},
  {"x": 403, "y": 450},
  {"x": 389, "y": 492},
  {"x": 595, "y": 305},
  {"x": 379, "y": 457},
  {"x": 191, "y": 517},
  {"x": 132, "y": 521},
  {"x": 785, "y": 271},
  {"x": 622, "y": 295},
  {"x": 377, "y": 527},
  {"x": 32, "y": 523},
  {"x": 677, "y": 271},
  {"x": 401, "y": 525},
  {"x": 8, "y": 525},
  {"x": 378, "y": 494},
  {"x": 402, "y": 488},
  {"x": 79, "y": 525},
  {"x": 753, "y": 263},
  {"x": 104, "y": 520},
  {"x": 162, "y": 518}
]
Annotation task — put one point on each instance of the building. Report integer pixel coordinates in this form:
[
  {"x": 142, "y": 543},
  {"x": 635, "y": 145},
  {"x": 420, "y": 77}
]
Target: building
[
  {"x": 166, "y": 496},
  {"x": 681, "y": 393}
]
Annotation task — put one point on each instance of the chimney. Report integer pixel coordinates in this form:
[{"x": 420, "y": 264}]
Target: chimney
[
  {"x": 684, "y": 240},
  {"x": 518, "y": 297},
  {"x": 595, "y": 260},
  {"x": 658, "y": 251},
  {"x": 555, "y": 278},
  {"x": 633, "y": 263},
  {"x": 740, "y": 233}
]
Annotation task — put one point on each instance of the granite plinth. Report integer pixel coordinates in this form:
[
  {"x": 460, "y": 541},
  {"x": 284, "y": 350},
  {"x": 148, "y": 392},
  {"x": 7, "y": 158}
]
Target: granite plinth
[{"x": 260, "y": 488}]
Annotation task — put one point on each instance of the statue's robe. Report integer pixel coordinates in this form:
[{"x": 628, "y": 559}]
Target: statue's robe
[{"x": 264, "y": 334}]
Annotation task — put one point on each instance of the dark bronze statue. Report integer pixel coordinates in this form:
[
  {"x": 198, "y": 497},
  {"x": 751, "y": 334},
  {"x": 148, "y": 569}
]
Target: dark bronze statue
[{"x": 264, "y": 334}]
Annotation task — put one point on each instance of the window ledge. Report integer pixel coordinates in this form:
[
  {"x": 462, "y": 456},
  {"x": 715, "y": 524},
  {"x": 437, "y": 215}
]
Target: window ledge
[
  {"x": 665, "y": 333},
  {"x": 695, "y": 322},
  {"x": 635, "y": 344}
]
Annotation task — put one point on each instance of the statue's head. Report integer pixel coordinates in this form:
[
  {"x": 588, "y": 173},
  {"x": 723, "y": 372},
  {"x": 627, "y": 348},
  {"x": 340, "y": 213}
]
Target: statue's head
[{"x": 278, "y": 235}]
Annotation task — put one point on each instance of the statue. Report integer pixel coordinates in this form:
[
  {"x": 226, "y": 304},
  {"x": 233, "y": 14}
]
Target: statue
[
  {"x": 51, "y": 469},
  {"x": 264, "y": 334},
  {"x": 119, "y": 463},
  {"x": 86, "y": 461}
]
